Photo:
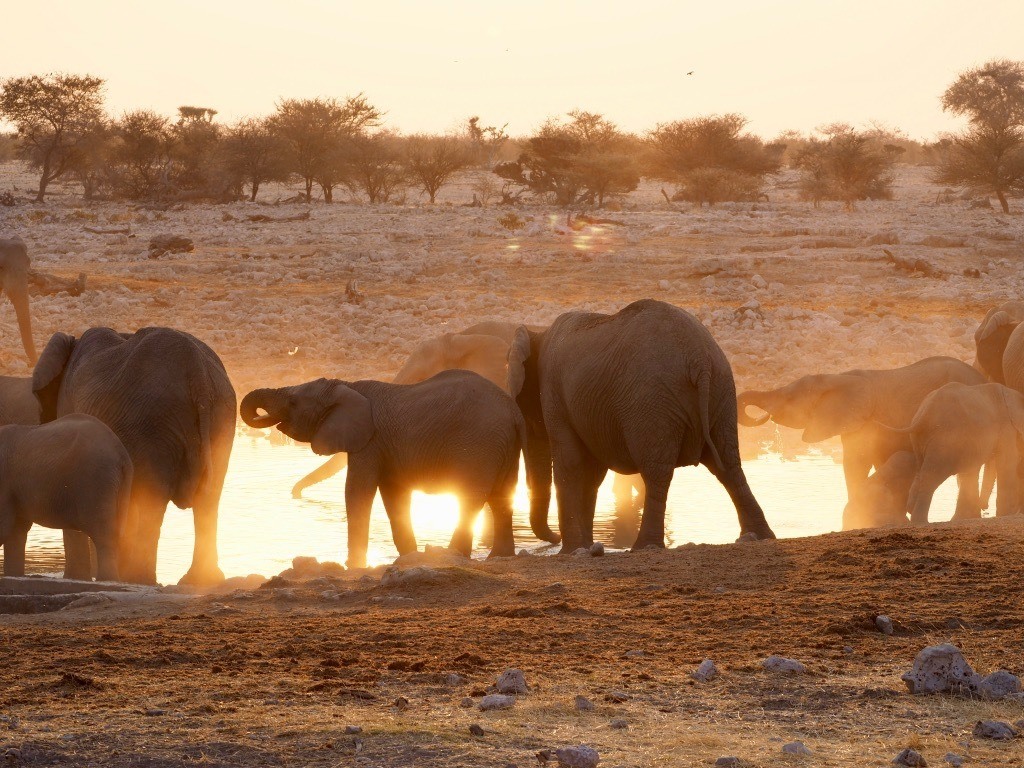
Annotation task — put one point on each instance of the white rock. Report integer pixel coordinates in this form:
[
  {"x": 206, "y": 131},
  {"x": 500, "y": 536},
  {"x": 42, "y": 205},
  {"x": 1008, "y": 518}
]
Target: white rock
[
  {"x": 910, "y": 758},
  {"x": 883, "y": 624},
  {"x": 583, "y": 704},
  {"x": 496, "y": 701},
  {"x": 664, "y": 285},
  {"x": 994, "y": 729},
  {"x": 512, "y": 681},
  {"x": 781, "y": 664},
  {"x": 999, "y": 684},
  {"x": 705, "y": 671},
  {"x": 577, "y": 757},
  {"x": 796, "y": 748},
  {"x": 941, "y": 668}
]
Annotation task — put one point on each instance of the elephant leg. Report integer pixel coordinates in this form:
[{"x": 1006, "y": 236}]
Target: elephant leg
[
  {"x": 14, "y": 552},
  {"x": 140, "y": 543},
  {"x": 106, "y": 557},
  {"x": 968, "y": 499},
  {"x": 501, "y": 512},
  {"x": 487, "y": 531},
  {"x": 77, "y": 556},
  {"x": 398, "y": 505},
  {"x": 462, "y": 538},
  {"x": 657, "y": 478},
  {"x": 922, "y": 490},
  {"x": 205, "y": 569},
  {"x": 360, "y": 489},
  {"x": 627, "y": 510},
  {"x": 641, "y": 490},
  {"x": 577, "y": 478},
  {"x": 856, "y": 468},
  {"x": 1008, "y": 483}
]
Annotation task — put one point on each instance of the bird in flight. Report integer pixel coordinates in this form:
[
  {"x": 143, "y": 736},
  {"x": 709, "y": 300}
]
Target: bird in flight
[{"x": 690, "y": 72}]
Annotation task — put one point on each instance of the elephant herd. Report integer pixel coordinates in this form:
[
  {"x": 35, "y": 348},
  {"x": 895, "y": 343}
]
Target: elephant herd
[{"x": 111, "y": 427}]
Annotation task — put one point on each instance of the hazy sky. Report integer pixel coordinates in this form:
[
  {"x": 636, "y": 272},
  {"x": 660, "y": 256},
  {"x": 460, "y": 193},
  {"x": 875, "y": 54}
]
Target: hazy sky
[{"x": 431, "y": 63}]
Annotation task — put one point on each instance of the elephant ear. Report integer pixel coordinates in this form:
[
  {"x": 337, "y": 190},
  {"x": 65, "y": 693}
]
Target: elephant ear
[
  {"x": 480, "y": 353},
  {"x": 347, "y": 426},
  {"x": 49, "y": 372},
  {"x": 518, "y": 354},
  {"x": 990, "y": 342},
  {"x": 844, "y": 406}
]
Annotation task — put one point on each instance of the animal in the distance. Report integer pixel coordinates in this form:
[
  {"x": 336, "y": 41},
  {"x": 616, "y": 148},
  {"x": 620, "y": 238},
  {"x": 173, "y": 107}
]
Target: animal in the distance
[
  {"x": 14, "y": 268},
  {"x": 72, "y": 473},
  {"x": 1000, "y": 344},
  {"x": 18, "y": 405},
  {"x": 957, "y": 429},
  {"x": 643, "y": 391},
  {"x": 166, "y": 395},
  {"x": 883, "y": 500},
  {"x": 455, "y": 432},
  {"x": 852, "y": 404}
]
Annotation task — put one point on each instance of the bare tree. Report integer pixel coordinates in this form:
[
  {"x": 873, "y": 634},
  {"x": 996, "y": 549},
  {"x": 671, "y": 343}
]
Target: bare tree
[
  {"x": 253, "y": 154},
  {"x": 54, "y": 114},
  {"x": 433, "y": 160},
  {"x": 989, "y": 155},
  {"x": 487, "y": 141}
]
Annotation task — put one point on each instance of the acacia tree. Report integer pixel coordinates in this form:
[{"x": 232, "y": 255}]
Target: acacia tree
[
  {"x": 193, "y": 150},
  {"x": 375, "y": 166},
  {"x": 54, "y": 115},
  {"x": 711, "y": 159},
  {"x": 433, "y": 160},
  {"x": 487, "y": 141},
  {"x": 846, "y": 165},
  {"x": 989, "y": 155},
  {"x": 253, "y": 154},
  {"x": 140, "y": 154}
]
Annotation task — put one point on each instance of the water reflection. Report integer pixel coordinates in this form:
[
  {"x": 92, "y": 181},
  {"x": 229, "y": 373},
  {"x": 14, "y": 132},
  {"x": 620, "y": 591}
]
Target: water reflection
[{"x": 262, "y": 527}]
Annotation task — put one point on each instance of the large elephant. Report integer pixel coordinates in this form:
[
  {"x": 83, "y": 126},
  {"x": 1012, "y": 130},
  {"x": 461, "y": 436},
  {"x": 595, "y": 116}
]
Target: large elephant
[
  {"x": 851, "y": 405},
  {"x": 72, "y": 473},
  {"x": 18, "y": 404},
  {"x": 957, "y": 429},
  {"x": 166, "y": 395},
  {"x": 643, "y": 391},
  {"x": 453, "y": 432},
  {"x": 14, "y": 267},
  {"x": 883, "y": 499},
  {"x": 1000, "y": 344}
]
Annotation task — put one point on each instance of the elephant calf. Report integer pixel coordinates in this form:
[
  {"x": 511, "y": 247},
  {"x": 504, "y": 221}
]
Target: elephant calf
[
  {"x": 883, "y": 498},
  {"x": 455, "y": 432},
  {"x": 70, "y": 473},
  {"x": 957, "y": 429}
]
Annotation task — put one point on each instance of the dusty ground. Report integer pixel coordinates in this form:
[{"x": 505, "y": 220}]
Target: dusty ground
[{"x": 273, "y": 676}]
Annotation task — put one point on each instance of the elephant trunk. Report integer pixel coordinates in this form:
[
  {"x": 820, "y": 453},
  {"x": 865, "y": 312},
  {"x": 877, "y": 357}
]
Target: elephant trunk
[
  {"x": 537, "y": 453},
  {"x": 18, "y": 293},
  {"x": 755, "y": 399},
  {"x": 269, "y": 400}
]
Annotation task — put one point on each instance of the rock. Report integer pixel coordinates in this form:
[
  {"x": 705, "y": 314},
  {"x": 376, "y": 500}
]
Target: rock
[
  {"x": 351, "y": 730},
  {"x": 910, "y": 758},
  {"x": 161, "y": 244},
  {"x": 512, "y": 681},
  {"x": 524, "y": 553},
  {"x": 705, "y": 671},
  {"x": 597, "y": 549},
  {"x": 466, "y": 703},
  {"x": 581, "y": 552},
  {"x": 728, "y": 762},
  {"x": 796, "y": 748},
  {"x": 453, "y": 679},
  {"x": 308, "y": 568},
  {"x": 941, "y": 668},
  {"x": 476, "y": 730},
  {"x": 577, "y": 757},
  {"x": 748, "y": 536},
  {"x": 994, "y": 729},
  {"x": 619, "y": 724},
  {"x": 758, "y": 282},
  {"x": 401, "y": 704},
  {"x": 784, "y": 665},
  {"x": 617, "y": 697},
  {"x": 954, "y": 759},
  {"x": 999, "y": 684},
  {"x": 664, "y": 285},
  {"x": 583, "y": 704},
  {"x": 496, "y": 701},
  {"x": 883, "y": 624},
  {"x": 847, "y": 649},
  {"x": 154, "y": 712}
]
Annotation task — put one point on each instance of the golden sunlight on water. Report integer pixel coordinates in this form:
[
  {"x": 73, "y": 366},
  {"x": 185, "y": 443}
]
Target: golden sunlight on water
[{"x": 262, "y": 527}]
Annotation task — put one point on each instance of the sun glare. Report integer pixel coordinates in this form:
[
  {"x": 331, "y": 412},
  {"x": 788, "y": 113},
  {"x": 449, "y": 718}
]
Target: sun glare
[{"x": 434, "y": 513}]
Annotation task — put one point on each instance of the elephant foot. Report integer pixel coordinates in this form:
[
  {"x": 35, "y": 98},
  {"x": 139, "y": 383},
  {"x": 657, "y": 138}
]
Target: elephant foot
[
  {"x": 202, "y": 577},
  {"x": 501, "y": 552},
  {"x": 642, "y": 544}
]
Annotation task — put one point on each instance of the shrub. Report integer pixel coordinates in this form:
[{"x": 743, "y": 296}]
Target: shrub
[
  {"x": 433, "y": 160},
  {"x": 845, "y": 165}
]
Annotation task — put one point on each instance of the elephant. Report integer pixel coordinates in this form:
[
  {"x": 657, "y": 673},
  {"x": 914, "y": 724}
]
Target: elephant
[
  {"x": 18, "y": 405},
  {"x": 71, "y": 473},
  {"x": 456, "y": 431},
  {"x": 643, "y": 391},
  {"x": 1000, "y": 344},
  {"x": 883, "y": 500},
  {"x": 14, "y": 268},
  {"x": 851, "y": 405},
  {"x": 166, "y": 395},
  {"x": 957, "y": 429}
]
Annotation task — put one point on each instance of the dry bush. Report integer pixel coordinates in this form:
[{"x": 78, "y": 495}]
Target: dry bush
[
  {"x": 431, "y": 161},
  {"x": 713, "y": 185},
  {"x": 374, "y": 166},
  {"x": 846, "y": 165},
  {"x": 251, "y": 153},
  {"x": 486, "y": 142},
  {"x": 140, "y": 155}
]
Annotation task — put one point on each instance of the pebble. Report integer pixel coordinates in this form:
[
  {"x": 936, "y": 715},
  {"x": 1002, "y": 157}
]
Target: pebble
[
  {"x": 954, "y": 759},
  {"x": 496, "y": 701},
  {"x": 476, "y": 730},
  {"x": 883, "y": 624},
  {"x": 577, "y": 757},
  {"x": 796, "y": 748},
  {"x": 512, "y": 681},
  {"x": 910, "y": 758},
  {"x": 597, "y": 549},
  {"x": 154, "y": 712},
  {"x": 705, "y": 671},
  {"x": 994, "y": 729},
  {"x": 454, "y": 679},
  {"x": 728, "y": 762},
  {"x": 617, "y": 696},
  {"x": 619, "y": 724},
  {"x": 351, "y": 730},
  {"x": 781, "y": 664},
  {"x": 583, "y": 704},
  {"x": 581, "y": 552},
  {"x": 848, "y": 649},
  {"x": 466, "y": 703}
]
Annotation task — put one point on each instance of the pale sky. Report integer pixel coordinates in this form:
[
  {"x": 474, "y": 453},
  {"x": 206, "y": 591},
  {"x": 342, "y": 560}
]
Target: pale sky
[{"x": 431, "y": 63}]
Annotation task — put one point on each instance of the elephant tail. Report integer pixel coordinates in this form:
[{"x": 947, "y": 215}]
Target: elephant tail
[{"x": 704, "y": 404}]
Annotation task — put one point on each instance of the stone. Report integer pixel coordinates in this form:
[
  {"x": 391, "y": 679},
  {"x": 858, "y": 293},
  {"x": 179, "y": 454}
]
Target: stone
[
  {"x": 401, "y": 704},
  {"x": 941, "y": 669},
  {"x": 954, "y": 759},
  {"x": 994, "y": 729},
  {"x": 748, "y": 536},
  {"x": 476, "y": 730},
  {"x": 352, "y": 730},
  {"x": 577, "y": 757},
  {"x": 597, "y": 549},
  {"x": 454, "y": 679},
  {"x": 496, "y": 701},
  {"x": 512, "y": 681},
  {"x": 619, "y": 724},
  {"x": 847, "y": 649},
  {"x": 161, "y": 244},
  {"x": 758, "y": 282},
  {"x": 664, "y": 285},
  {"x": 999, "y": 685},
  {"x": 581, "y": 552},
  {"x": 728, "y": 762},
  {"x": 910, "y": 758},
  {"x": 583, "y": 704},
  {"x": 154, "y": 712},
  {"x": 796, "y": 748},
  {"x": 883, "y": 624},
  {"x": 617, "y": 697},
  {"x": 784, "y": 665},
  {"x": 706, "y": 671},
  {"x": 466, "y": 703}
]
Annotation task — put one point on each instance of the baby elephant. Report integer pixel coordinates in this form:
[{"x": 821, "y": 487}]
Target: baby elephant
[
  {"x": 455, "y": 432},
  {"x": 883, "y": 499},
  {"x": 70, "y": 473},
  {"x": 957, "y": 429}
]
